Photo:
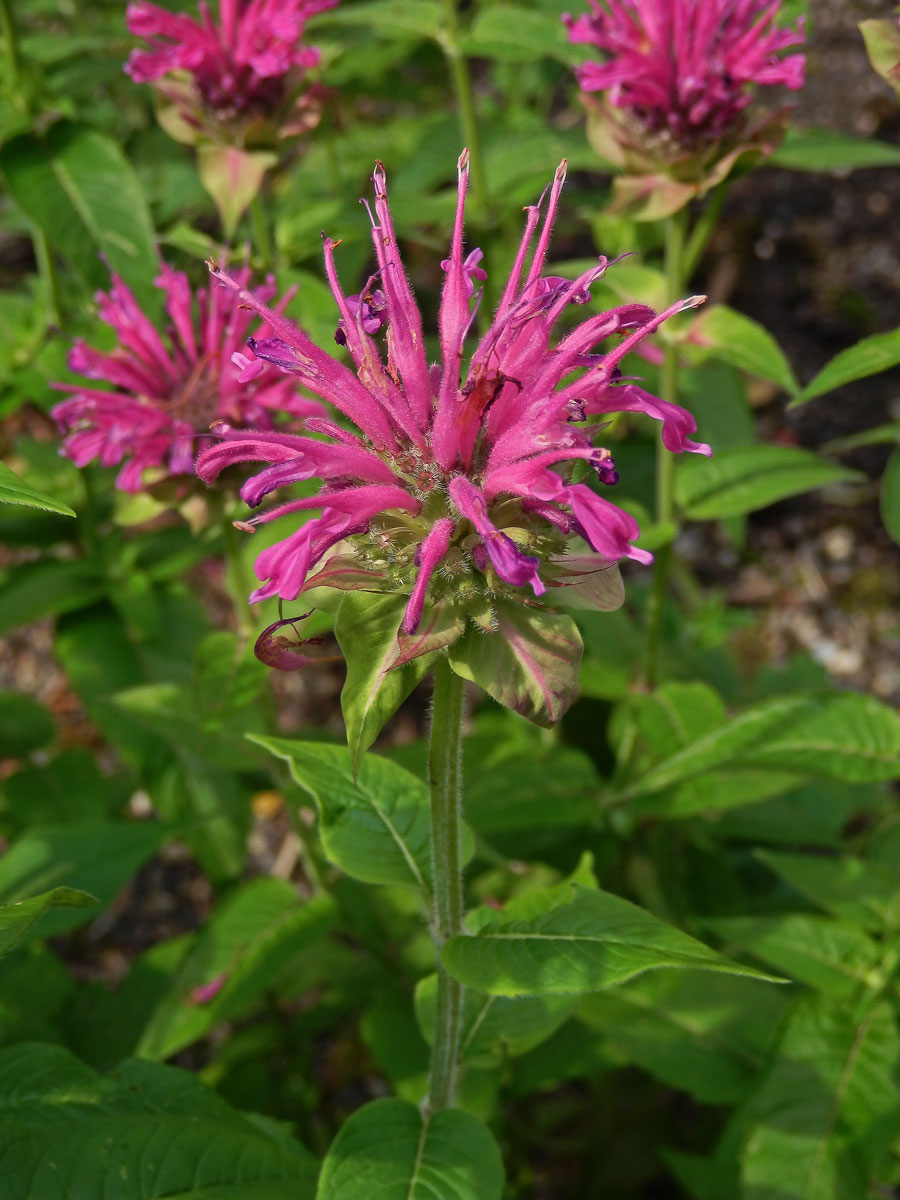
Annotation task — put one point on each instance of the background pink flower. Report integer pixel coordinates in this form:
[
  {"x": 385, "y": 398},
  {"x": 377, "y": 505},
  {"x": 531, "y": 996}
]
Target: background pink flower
[
  {"x": 167, "y": 389},
  {"x": 686, "y": 69},
  {"x": 239, "y": 64}
]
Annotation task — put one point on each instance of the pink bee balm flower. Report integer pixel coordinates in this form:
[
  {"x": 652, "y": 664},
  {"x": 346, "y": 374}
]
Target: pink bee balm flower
[
  {"x": 456, "y": 488},
  {"x": 238, "y": 66},
  {"x": 685, "y": 68},
  {"x": 167, "y": 390}
]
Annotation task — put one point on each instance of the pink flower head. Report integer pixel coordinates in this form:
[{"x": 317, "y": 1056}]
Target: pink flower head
[
  {"x": 458, "y": 479},
  {"x": 685, "y": 69},
  {"x": 168, "y": 389},
  {"x": 239, "y": 66}
]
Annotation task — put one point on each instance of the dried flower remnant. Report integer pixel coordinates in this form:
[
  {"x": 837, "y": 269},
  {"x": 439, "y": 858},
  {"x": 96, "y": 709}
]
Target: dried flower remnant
[
  {"x": 167, "y": 389},
  {"x": 675, "y": 81},
  {"x": 456, "y": 487},
  {"x": 244, "y": 67}
]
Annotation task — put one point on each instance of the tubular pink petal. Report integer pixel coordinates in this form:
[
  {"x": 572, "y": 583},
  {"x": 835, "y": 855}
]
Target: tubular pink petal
[
  {"x": 453, "y": 324},
  {"x": 540, "y": 252},
  {"x": 405, "y": 337},
  {"x": 319, "y": 371},
  {"x": 429, "y": 554},
  {"x": 605, "y": 527},
  {"x": 166, "y": 390}
]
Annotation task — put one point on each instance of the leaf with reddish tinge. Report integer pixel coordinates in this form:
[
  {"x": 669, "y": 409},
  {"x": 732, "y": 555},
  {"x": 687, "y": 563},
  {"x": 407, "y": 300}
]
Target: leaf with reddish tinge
[
  {"x": 366, "y": 628},
  {"x": 342, "y": 571},
  {"x": 530, "y": 664},
  {"x": 444, "y": 624},
  {"x": 232, "y": 177},
  {"x": 589, "y": 582}
]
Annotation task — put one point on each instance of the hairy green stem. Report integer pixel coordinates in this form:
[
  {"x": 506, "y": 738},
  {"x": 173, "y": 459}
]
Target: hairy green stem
[
  {"x": 47, "y": 273},
  {"x": 676, "y": 228},
  {"x": 11, "y": 53},
  {"x": 465, "y": 100},
  {"x": 702, "y": 230},
  {"x": 261, "y": 235},
  {"x": 238, "y": 580},
  {"x": 445, "y": 781}
]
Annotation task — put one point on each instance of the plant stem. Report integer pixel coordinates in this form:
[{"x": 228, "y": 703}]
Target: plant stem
[
  {"x": 261, "y": 234},
  {"x": 704, "y": 226},
  {"x": 445, "y": 781},
  {"x": 11, "y": 53},
  {"x": 465, "y": 100},
  {"x": 239, "y": 585},
  {"x": 47, "y": 272},
  {"x": 676, "y": 228}
]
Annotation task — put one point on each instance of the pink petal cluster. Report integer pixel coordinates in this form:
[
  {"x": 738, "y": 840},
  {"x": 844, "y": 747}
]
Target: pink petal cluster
[
  {"x": 238, "y": 64},
  {"x": 685, "y": 68},
  {"x": 167, "y": 389},
  {"x": 458, "y": 476}
]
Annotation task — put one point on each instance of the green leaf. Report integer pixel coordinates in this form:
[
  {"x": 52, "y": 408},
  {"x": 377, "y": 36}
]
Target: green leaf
[
  {"x": 819, "y": 1123},
  {"x": 98, "y": 858},
  {"x": 871, "y": 356},
  {"x": 78, "y": 187},
  {"x": 877, "y": 435},
  {"x": 890, "y": 496},
  {"x": 17, "y": 919},
  {"x": 25, "y": 725},
  {"x": 703, "y": 1178},
  {"x": 14, "y": 490},
  {"x": 715, "y": 393},
  {"x": 851, "y": 888},
  {"x": 46, "y": 589},
  {"x": 69, "y": 789},
  {"x": 389, "y": 1028},
  {"x": 493, "y": 1028},
  {"x": 515, "y": 33},
  {"x": 366, "y": 628},
  {"x": 529, "y": 664},
  {"x": 676, "y": 714},
  {"x": 830, "y": 150},
  {"x": 743, "y": 342},
  {"x": 377, "y": 827},
  {"x": 843, "y": 736},
  {"x": 390, "y": 18},
  {"x": 716, "y": 793},
  {"x": 589, "y": 941},
  {"x": 212, "y": 807},
  {"x": 389, "y": 1150},
  {"x": 175, "y": 714},
  {"x": 822, "y": 808},
  {"x": 746, "y": 478},
  {"x": 249, "y": 942},
  {"x": 143, "y": 1132},
  {"x": 509, "y": 793},
  {"x": 831, "y": 956},
  {"x": 706, "y": 1036}
]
